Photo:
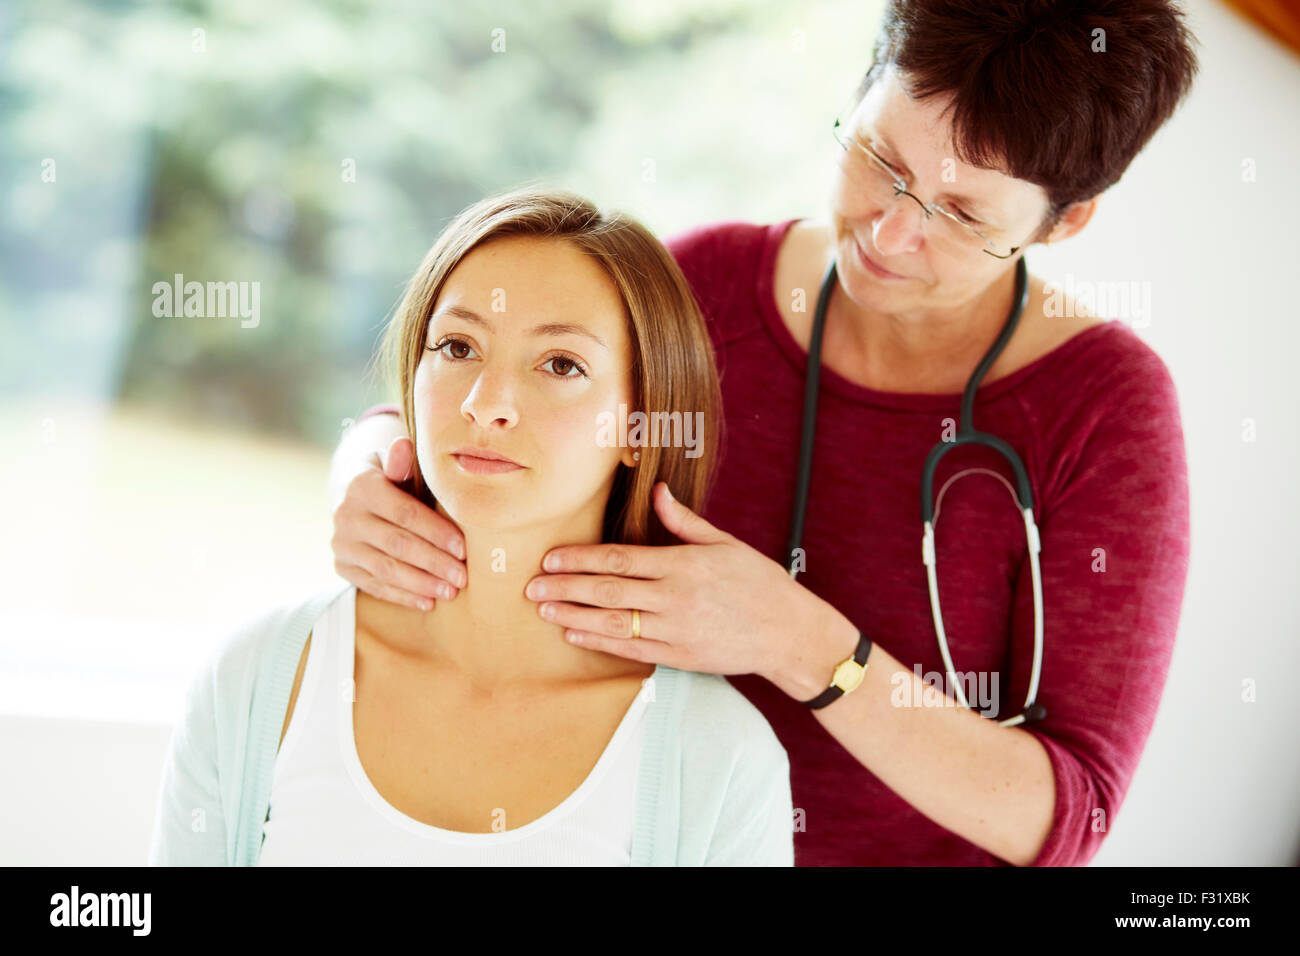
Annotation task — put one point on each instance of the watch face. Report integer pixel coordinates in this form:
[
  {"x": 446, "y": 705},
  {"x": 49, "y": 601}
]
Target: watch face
[{"x": 848, "y": 675}]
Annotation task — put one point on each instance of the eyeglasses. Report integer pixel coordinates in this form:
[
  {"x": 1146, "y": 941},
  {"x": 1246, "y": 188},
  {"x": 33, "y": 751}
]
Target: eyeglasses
[{"x": 878, "y": 180}]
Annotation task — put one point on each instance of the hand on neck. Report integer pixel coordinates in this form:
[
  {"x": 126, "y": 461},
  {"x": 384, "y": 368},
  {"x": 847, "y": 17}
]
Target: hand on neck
[{"x": 491, "y": 633}]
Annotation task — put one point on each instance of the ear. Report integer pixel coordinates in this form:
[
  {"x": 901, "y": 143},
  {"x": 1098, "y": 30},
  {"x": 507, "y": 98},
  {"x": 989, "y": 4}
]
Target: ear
[{"x": 1073, "y": 219}]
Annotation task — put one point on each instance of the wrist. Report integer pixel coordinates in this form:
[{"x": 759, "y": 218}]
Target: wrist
[{"x": 811, "y": 658}]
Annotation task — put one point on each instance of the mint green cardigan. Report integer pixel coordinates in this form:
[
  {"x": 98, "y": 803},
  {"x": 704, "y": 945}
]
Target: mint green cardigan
[{"x": 713, "y": 790}]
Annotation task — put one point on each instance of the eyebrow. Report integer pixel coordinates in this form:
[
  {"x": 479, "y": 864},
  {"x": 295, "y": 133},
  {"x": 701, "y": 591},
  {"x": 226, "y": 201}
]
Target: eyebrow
[
  {"x": 973, "y": 203},
  {"x": 546, "y": 328}
]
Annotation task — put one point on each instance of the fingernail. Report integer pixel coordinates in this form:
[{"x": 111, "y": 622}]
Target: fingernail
[
  {"x": 458, "y": 547},
  {"x": 548, "y": 611},
  {"x": 462, "y": 578},
  {"x": 536, "y": 590},
  {"x": 551, "y": 562},
  {"x": 425, "y": 604},
  {"x": 444, "y": 591}
]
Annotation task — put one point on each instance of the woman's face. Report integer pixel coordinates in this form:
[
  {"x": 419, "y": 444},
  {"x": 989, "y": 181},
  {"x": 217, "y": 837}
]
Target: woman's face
[
  {"x": 936, "y": 272},
  {"x": 526, "y": 347}
]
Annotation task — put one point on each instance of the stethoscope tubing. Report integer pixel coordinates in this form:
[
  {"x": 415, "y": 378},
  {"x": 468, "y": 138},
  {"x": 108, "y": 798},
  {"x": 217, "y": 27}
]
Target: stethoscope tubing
[{"x": 966, "y": 434}]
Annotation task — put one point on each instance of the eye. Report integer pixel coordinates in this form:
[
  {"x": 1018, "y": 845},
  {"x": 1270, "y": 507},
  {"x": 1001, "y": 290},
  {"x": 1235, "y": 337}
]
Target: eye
[
  {"x": 568, "y": 363},
  {"x": 969, "y": 220},
  {"x": 448, "y": 346},
  {"x": 880, "y": 160}
]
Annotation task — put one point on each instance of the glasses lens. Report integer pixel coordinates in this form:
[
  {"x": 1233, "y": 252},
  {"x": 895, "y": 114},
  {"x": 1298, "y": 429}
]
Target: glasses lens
[
  {"x": 956, "y": 233},
  {"x": 866, "y": 174},
  {"x": 871, "y": 178}
]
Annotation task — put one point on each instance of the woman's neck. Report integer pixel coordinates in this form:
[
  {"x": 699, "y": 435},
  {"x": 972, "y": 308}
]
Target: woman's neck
[
  {"x": 932, "y": 352},
  {"x": 491, "y": 634}
]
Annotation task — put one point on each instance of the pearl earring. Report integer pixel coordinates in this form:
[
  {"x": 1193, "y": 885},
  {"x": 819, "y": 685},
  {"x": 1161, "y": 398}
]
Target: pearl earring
[{"x": 636, "y": 456}]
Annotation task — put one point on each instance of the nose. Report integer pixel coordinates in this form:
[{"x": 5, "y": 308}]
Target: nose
[
  {"x": 899, "y": 228},
  {"x": 491, "y": 402}
]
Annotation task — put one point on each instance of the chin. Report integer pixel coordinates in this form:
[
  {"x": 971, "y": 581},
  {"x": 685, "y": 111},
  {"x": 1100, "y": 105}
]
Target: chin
[
  {"x": 473, "y": 501},
  {"x": 864, "y": 289},
  {"x": 482, "y": 510}
]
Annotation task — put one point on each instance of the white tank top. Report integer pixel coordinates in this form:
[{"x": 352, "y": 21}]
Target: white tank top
[{"x": 325, "y": 811}]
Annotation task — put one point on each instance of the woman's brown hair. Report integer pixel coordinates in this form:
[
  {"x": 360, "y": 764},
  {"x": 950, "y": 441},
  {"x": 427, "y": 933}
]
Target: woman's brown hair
[
  {"x": 672, "y": 360},
  {"x": 1060, "y": 93}
]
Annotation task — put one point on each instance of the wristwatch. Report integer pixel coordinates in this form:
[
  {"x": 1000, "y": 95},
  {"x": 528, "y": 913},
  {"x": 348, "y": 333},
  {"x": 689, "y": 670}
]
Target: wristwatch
[{"x": 848, "y": 675}]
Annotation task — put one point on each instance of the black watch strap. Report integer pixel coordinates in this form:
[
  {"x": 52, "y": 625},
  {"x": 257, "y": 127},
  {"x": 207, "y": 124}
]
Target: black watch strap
[{"x": 835, "y": 692}]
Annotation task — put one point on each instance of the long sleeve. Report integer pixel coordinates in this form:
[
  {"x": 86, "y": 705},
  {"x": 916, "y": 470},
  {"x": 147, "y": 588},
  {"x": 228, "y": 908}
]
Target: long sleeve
[
  {"x": 383, "y": 408},
  {"x": 1115, "y": 544},
  {"x": 189, "y": 826}
]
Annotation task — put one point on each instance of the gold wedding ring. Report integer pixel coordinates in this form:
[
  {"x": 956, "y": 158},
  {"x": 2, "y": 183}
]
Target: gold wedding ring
[{"x": 636, "y": 623}]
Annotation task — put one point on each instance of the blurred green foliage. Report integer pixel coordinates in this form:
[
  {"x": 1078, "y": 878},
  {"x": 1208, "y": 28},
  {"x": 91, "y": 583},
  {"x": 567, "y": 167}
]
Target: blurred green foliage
[{"x": 318, "y": 148}]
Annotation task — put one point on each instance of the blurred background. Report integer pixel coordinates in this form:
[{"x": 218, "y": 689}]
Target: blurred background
[{"x": 163, "y": 476}]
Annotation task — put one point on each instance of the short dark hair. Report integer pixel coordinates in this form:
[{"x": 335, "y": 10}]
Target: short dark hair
[{"x": 1031, "y": 98}]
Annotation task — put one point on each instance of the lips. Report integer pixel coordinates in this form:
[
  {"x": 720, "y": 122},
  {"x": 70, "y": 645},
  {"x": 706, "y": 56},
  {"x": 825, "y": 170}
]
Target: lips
[
  {"x": 485, "y": 466},
  {"x": 872, "y": 266},
  {"x": 487, "y": 454}
]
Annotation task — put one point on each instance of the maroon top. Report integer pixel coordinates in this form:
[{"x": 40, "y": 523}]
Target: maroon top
[{"x": 1097, "y": 425}]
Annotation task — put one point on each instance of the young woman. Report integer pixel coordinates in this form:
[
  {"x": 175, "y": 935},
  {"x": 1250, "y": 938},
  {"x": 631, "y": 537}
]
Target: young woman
[{"x": 532, "y": 335}]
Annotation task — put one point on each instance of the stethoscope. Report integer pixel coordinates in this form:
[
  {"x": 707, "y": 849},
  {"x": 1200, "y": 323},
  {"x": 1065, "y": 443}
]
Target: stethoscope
[{"x": 966, "y": 435}]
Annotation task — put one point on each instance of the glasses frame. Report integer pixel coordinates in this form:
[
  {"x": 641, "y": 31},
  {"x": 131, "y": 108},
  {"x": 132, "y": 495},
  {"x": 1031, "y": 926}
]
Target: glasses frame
[{"x": 900, "y": 189}]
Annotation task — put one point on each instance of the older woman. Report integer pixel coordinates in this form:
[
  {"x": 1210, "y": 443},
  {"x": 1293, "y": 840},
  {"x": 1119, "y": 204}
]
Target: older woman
[{"x": 980, "y": 129}]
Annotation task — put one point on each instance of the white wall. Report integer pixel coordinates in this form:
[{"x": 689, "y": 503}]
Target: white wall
[
  {"x": 78, "y": 792},
  {"x": 1220, "y": 780}
]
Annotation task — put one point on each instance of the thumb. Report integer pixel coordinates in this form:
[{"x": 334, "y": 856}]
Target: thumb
[
  {"x": 682, "y": 521},
  {"x": 399, "y": 460}
]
